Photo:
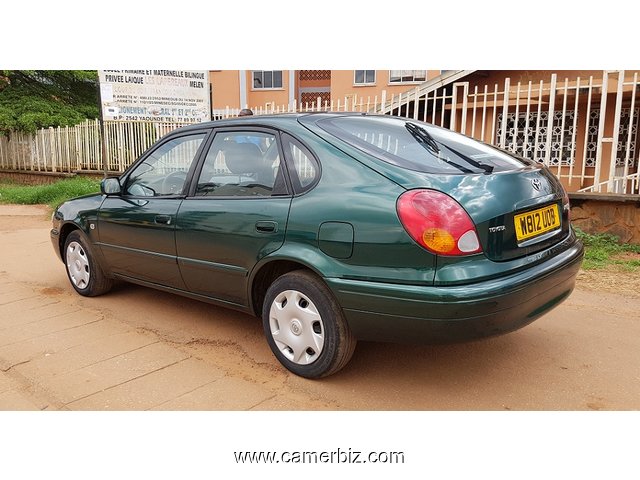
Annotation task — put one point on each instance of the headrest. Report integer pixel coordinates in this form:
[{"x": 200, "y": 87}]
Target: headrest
[{"x": 242, "y": 157}]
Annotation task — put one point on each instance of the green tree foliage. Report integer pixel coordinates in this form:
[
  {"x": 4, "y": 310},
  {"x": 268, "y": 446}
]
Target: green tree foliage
[{"x": 33, "y": 99}]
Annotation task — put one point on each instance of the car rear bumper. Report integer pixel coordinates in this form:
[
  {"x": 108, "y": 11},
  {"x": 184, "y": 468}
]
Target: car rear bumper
[{"x": 428, "y": 314}]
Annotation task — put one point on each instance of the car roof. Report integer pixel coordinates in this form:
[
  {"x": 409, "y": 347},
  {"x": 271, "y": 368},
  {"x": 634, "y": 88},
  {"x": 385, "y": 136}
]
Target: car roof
[{"x": 264, "y": 120}]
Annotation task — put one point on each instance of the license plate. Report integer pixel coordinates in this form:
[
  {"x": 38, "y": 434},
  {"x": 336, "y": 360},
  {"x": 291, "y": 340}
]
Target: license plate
[{"x": 531, "y": 224}]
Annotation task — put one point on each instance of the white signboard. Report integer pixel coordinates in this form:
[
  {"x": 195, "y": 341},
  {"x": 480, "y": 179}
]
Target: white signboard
[{"x": 155, "y": 95}]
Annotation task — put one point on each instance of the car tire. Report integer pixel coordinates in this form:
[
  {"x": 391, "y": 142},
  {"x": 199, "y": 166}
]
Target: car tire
[
  {"x": 84, "y": 271},
  {"x": 305, "y": 326}
]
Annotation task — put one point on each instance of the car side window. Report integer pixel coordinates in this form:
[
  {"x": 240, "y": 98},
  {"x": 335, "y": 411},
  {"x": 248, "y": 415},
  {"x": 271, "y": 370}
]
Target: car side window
[
  {"x": 305, "y": 167},
  {"x": 164, "y": 171},
  {"x": 242, "y": 164}
]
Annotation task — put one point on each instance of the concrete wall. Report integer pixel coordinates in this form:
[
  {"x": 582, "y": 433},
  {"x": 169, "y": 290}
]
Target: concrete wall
[
  {"x": 617, "y": 215},
  {"x": 342, "y": 83},
  {"x": 43, "y": 178},
  {"x": 225, "y": 89},
  {"x": 260, "y": 97}
]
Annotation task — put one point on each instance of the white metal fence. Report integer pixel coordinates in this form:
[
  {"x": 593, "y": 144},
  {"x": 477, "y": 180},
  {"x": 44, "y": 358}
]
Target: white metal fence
[
  {"x": 584, "y": 129},
  {"x": 79, "y": 148}
]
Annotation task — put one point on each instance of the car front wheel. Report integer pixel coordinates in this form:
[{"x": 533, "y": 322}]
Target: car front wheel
[
  {"x": 305, "y": 326},
  {"x": 84, "y": 272}
]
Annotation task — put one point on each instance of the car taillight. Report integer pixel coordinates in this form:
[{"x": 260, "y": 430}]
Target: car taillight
[
  {"x": 566, "y": 205},
  {"x": 438, "y": 223}
]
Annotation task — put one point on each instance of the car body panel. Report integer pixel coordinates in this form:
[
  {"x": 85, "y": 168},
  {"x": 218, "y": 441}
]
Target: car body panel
[
  {"x": 219, "y": 241},
  {"x": 81, "y": 214},
  {"x": 351, "y": 193},
  {"x": 135, "y": 243},
  {"x": 419, "y": 314}
]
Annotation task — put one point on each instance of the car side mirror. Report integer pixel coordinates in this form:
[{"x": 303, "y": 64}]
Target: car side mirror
[{"x": 110, "y": 186}]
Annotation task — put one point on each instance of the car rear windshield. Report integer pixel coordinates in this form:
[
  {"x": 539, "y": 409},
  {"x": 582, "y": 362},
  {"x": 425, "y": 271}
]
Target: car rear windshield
[{"x": 419, "y": 146}]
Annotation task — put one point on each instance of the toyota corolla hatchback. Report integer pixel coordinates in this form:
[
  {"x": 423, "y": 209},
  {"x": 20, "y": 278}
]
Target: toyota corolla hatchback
[{"x": 333, "y": 228}]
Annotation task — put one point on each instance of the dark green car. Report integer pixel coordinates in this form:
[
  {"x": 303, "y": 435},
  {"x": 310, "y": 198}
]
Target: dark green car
[{"x": 333, "y": 228}]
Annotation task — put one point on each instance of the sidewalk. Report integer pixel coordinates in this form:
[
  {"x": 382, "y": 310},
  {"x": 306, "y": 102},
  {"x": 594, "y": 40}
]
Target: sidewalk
[{"x": 60, "y": 351}]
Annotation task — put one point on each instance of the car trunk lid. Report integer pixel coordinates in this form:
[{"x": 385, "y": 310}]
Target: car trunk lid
[{"x": 516, "y": 213}]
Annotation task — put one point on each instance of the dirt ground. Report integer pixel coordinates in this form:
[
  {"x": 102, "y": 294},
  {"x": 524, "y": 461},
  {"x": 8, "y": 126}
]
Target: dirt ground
[
  {"x": 138, "y": 349},
  {"x": 614, "y": 280}
]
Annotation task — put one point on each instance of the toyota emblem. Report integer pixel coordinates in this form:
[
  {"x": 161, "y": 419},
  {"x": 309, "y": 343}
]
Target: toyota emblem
[{"x": 537, "y": 184}]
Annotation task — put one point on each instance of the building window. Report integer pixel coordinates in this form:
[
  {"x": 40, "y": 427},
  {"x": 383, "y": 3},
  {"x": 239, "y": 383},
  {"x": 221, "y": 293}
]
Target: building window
[
  {"x": 263, "y": 79},
  {"x": 407, "y": 76},
  {"x": 364, "y": 77},
  {"x": 522, "y": 138},
  {"x": 624, "y": 131}
]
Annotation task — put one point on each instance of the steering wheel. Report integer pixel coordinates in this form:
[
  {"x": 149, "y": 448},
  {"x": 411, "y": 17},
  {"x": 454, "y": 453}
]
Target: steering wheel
[{"x": 173, "y": 183}]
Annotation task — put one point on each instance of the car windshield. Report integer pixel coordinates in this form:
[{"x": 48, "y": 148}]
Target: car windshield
[{"x": 419, "y": 146}]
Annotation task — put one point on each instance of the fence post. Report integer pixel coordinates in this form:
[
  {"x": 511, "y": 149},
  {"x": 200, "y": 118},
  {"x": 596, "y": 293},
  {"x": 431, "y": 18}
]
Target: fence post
[
  {"x": 383, "y": 101},
  {"x": 473, "y": 118},
  {"x": 517, "y": 117},
  {"x": 629, "y": 136},
  {"x": 552, "y": 100},
  {"x": 575, "y": 128},
  {"x": 562, "y": 124},
  {"x": 601, "y": 124},
  {"x": 454, "y": 102},
  {"x": 525, "y": 145},
  {"x": 465, "y": 98},
  {"x": 616, "y": 133},
  {"x": 505, "y": 111}
]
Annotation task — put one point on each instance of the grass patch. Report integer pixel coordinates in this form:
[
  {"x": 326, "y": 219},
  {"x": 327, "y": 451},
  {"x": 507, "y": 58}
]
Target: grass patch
[
  {"x": 603, "y": 250},
  {"x": 52, "y": 195}
]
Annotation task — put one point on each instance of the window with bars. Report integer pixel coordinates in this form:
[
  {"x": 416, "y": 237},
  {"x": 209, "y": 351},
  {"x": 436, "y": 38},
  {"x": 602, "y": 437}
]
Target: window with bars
[
  {"x": 364, "y": 77},
  {"x": 265, "y": 79},
  {"x": 625, "y": 130},
  {"x": 407, "y": 76},
  {"x": 527, "y": 136},
  {"x": 304, "y": 75}
]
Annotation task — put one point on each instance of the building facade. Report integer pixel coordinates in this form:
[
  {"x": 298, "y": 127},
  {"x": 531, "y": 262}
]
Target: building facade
[{"x": 255, "y": 89}]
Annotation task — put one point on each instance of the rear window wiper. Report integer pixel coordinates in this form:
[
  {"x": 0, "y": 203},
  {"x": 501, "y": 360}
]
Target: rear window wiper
[
  {"x": 425, "y": 137},
  {"x": 486, "y": 168},
  {"x": 422, "y": 136}
]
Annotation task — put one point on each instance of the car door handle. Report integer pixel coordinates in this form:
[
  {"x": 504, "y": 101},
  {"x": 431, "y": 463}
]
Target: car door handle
[
  {"x": 166, "y": 219},
  {"x": 266, "y": 227}
]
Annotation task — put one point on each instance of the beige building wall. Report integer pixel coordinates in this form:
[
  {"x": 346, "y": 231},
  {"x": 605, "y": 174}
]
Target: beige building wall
[
  {"x": 343, "y": 84},
  {"x": 225, "y": 89},
  {"x": 260, "y": 97}
]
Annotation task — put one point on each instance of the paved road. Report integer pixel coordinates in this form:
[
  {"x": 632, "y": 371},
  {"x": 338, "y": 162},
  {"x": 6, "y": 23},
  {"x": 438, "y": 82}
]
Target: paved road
[{"x": 138, "y": 349}]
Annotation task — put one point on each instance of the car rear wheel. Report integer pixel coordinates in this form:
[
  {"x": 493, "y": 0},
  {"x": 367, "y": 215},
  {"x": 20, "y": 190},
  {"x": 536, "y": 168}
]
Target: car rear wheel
[
  {"x": 305, "y": 326},
  {"x": 84, "y": 272}
]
